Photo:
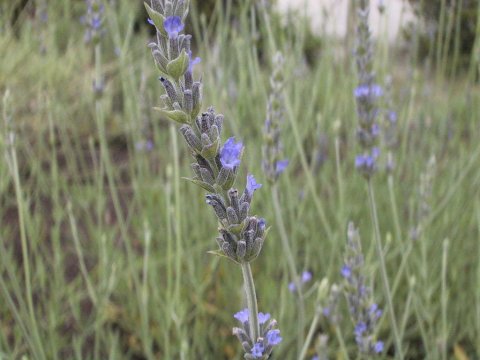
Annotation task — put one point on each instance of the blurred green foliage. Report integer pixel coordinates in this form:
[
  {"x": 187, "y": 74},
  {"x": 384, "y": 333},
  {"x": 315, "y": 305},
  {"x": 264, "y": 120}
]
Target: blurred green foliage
[{"x": 448, "y": 29}]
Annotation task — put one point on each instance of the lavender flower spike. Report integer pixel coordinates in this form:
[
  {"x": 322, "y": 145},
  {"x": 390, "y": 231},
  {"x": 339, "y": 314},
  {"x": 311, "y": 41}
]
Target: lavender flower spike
[
  {"x": 364, "y": 313},
  {"x": 366, "y": 95},
  {"x": 215, "y": 167},
  {"x": 272, "y": 150}
]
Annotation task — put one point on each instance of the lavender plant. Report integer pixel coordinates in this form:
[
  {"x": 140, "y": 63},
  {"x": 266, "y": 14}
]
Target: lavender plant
[
  {"x": 367, "y": 94},
  {"x": 93, "y": 21},
  {"x": 363, "y": 311},
  {"x": 215, "y": 166},
  {"x": 274, "y": 164}
]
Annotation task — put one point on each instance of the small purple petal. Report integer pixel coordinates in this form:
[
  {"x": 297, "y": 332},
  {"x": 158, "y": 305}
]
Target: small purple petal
[
  {"x": 392, "y": 117},
  {"x": 360, "y": 328},
  {"x": 291, "y": 287},
  {"x": 280, "y": 166},
  {"x": 173, "y": 25},
  {"x": 378, "y": 348},
  {"x": 230, "y": 153},
  {"x": 257, "y": 350},
  {"x": 359, "y": 161},
  {"x": 252, "y": 184},
  {"x": 273, "y": 337},
  {"x": 346, "y": 271},
  {"x": 364, "y": 90},
  {"x": 242, "y": 315},
  {"x": 150, "y": 21},
  {"x": 262, "y": 223},
  {"x": 263, "y": 318},
  {"x": 306, "y": 276}
]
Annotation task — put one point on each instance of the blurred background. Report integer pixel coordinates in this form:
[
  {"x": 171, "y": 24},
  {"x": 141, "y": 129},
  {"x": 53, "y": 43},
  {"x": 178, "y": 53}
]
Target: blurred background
[{"x": 103, "y": 248}]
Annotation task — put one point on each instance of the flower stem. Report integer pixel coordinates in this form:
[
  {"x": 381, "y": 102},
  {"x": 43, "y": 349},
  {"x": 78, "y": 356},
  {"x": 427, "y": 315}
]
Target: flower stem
[
  {"x": 251, "y": 301},
  {"x": 310, "y": 334},
  {"x": 383, "y": 271},
  {"x": 291, "y": 264}
]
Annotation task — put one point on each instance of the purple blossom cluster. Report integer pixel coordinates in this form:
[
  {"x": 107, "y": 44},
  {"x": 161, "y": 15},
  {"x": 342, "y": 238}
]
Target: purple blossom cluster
[
  {"x": 366, "y": 94},
  {"x": 93, "y": 21},
  {"x": 363, "y": 311},
  {"x": 304, "y": 279},
  {"x": 273, "y": 162},
  {"x": 269, "y": 335}
]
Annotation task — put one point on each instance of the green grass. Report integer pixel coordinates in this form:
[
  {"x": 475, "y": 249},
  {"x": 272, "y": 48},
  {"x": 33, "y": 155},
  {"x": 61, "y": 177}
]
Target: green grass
[{"x": 103, "y": 248}]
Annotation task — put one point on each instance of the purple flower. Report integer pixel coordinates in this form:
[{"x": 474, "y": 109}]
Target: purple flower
[
  {"x": 292, "y": 287},
  {"x": 375, "y": 311},
  {"x": 280, "y": 166},
  {"x": 150, "y": 21},
  {"x": 273, "y": 337},
  {"x": 392, "y": 116},
  {"x": 346, "y": 271},
  {"x": 360, "y": 328},
  {"x": 263, "y": 318},
  {"x": 173, "y": 25},
  {"x": 144, "y": 145},
  {"x": 306, "y": 276},
  {"x": 364, "y": 90},
  {"x": 192, "y": 63},
  {"x": 230, "y": 153},
  {"x": 262, "y": 223},
  {"x": 242, "y": 315},
  {"x": 252, "y": 184},
  {"x": 315, "y": 357},
  {"x": 378, "y": 348},
  {"x": 257, "y": 350},
  {"x": 367, "y": 162}
]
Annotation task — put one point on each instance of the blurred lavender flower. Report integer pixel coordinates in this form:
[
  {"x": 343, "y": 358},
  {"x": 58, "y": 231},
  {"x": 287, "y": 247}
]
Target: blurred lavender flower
[
  {"x": 366, "y": 95},
  {"x": 273, "y": 164},
  {"x": 389, "y": 124},
  {"x": 305, "y": 278},
  {"x": 330, "y": 309},
  {"x": 367, "y": 162},
  {"x": 93, "y": 20},
  {"x": 425, "y": 198},
  {"x": 363, "y": 311},
  {"x": 144, "y": 145}
]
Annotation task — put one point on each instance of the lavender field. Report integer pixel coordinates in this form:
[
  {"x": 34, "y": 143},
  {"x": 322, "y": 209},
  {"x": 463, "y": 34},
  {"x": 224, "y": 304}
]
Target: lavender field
[{"x": 232, "y": 179}]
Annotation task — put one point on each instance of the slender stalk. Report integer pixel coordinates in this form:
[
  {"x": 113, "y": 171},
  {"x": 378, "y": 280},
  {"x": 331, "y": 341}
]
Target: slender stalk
[
  {"x": 310, "y": 334},
  {"x": 291, "y": 264},
  {"x": 383, "y": 271},
  {"x": 178, "y": 212},
  {"x": 251, "y": 300},
  {"x": 444, "y": 299},
  {"x": 341, "y": 341},
  {"x": 310, "y": 180},
  {"x": 25, "y": 252},
  {"x": 393, "y": 203}
]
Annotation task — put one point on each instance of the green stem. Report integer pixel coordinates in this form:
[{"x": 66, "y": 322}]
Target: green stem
[
  {"x": 291, "y": 264},
  {"x": 383, "y": 271},
  {"x": 251, "y": 301},
  {"x": 310, "y": 334}
]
